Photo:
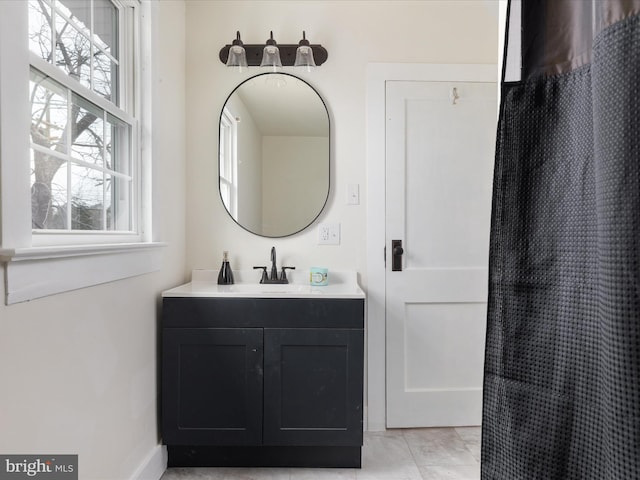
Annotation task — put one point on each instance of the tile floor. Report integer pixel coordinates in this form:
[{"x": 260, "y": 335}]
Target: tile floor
[{"x": 408, "y": 454}]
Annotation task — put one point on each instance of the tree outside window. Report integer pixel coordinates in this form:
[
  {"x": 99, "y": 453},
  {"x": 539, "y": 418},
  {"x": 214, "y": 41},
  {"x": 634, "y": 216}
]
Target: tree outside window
[{"x": 81, "y": 137}]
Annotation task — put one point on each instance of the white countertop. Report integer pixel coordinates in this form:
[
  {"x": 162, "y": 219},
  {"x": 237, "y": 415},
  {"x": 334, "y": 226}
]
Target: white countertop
[{"x": 342, "y": 284}]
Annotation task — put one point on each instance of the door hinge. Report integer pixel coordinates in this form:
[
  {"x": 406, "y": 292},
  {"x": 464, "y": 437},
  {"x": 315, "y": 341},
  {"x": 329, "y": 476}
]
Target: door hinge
[{"x": 385, "y": 256}]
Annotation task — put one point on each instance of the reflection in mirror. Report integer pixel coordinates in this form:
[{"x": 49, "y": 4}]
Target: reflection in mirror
[{"x": 274, "y": 155}]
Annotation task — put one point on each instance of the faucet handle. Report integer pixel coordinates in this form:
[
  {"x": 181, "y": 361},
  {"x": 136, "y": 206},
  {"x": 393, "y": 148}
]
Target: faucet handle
[
  {"x": 283, "y": 273},
  {"x": 264, "y": 277}
]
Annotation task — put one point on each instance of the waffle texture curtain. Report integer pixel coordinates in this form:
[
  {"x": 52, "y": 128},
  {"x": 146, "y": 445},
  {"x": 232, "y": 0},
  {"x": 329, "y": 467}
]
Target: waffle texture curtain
[{"x": 562, "y": 369}]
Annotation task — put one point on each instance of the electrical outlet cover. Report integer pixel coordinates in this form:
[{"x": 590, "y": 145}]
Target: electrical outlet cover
[{"x": 329, "y": 234}]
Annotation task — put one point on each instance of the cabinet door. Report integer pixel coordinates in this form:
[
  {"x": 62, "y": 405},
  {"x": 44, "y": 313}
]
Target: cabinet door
[
  {"x": 212, "y": 386},
  {"x": 313, "y": 386}
]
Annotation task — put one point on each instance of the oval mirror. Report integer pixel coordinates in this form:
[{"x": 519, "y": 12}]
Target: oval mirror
[{"x": 274, "y": 155}]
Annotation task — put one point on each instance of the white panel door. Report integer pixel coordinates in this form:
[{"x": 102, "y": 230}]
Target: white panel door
[{"x": 439, "y": 166}]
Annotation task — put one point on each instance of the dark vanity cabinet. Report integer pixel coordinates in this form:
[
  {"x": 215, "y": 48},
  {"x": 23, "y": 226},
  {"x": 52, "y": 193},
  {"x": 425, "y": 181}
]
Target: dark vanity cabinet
[
  {"x": 262, "y": 381},
  {"x": 212, "y": 379}
]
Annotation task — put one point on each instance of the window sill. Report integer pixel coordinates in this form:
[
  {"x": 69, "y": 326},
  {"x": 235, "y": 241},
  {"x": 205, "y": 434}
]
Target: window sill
[{"x": 36, "y": 272}]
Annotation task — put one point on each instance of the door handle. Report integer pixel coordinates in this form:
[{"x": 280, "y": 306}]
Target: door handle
[{"x": 396, "y": 255}]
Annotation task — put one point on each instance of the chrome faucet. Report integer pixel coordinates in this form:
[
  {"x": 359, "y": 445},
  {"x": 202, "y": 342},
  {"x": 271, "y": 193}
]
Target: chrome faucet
[{"x": 273, "y": 277}]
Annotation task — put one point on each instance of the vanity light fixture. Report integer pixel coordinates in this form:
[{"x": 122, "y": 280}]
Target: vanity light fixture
[
  {"x": 288, "y": 54},
  {"x": 237, "y": 56},
  {"x": 271, "y": 55}
]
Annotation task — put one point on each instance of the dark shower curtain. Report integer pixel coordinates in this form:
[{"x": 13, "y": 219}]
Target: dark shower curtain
[{"x": 562, "y": 367}]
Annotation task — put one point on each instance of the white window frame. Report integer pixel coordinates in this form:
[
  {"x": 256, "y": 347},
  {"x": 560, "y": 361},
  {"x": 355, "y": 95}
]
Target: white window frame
[
  {"x": 229, "y": 135},
  {"x": 37, "y": 265},
  {"x": 46, "y": 237},
  {"x": 123, "y": 106}
]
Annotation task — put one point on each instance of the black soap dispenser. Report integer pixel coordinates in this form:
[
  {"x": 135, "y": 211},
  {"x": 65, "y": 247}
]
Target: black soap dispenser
[{"x": 225, "y": 277}]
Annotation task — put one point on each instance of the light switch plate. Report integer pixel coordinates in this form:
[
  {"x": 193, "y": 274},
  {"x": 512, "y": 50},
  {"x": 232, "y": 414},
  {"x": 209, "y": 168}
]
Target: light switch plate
[{"x": 329, "y": 234}]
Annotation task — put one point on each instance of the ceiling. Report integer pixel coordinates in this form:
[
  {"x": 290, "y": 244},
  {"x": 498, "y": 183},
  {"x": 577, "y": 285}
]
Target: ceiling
[{"x": 283, "y": 105}]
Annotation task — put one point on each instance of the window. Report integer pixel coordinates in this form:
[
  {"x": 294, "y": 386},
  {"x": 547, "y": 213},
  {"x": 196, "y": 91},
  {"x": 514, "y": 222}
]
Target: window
[
  {"x": 76, "y": 181},
  {"x": 228, "y": 162},
  {"x": 83, "y": 158},
  {"x": 81, "y": 38}
]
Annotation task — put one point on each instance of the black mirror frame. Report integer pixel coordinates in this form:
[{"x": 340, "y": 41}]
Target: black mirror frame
[{"x": 324, "y": 204}]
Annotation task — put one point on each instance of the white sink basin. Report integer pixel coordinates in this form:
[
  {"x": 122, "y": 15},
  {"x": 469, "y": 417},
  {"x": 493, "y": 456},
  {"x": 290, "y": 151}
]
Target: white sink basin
[{"x": 203, "y": 284}]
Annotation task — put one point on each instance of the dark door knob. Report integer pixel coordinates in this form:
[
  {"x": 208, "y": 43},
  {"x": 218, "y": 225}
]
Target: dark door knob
[{"x": 396, "y": 255}]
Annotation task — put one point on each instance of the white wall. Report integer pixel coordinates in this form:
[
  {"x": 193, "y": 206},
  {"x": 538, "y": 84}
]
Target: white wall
[
  {"x": 355, "y": 33},
  {"x": 79, "y": 370},
  {"x": 286, "y": 159}
]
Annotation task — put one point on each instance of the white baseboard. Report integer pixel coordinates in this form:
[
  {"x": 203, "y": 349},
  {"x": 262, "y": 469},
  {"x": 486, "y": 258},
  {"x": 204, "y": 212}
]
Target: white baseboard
[{"x": 154, "y": 466}]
